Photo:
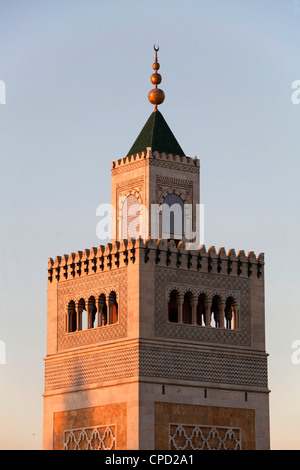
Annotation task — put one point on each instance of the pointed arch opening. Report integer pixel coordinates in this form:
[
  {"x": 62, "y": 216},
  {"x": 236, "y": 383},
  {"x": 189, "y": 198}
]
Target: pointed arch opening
[
  {"x": 92, "y": 312},
  {"x": 187, "y": 311},
  {"x": 130, "y": 218},
  {"x": 71, "y": 317},
  {"x": 173, "y": 217},
  {"x": 230, "y": 315},
  {"x": 173, "y": 307},
  {"x": 102, "y": 310},
  {"x": 113, "y": 308},
  {"x": 200, "y": 316},
  {"x": 216, "y": 320}
]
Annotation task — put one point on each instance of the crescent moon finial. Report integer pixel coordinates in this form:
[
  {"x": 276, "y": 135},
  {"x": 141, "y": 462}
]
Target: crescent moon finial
[{"x": 156, "y": 48}]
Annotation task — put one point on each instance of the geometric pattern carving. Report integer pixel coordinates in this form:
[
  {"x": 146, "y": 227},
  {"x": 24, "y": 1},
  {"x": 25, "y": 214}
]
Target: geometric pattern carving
[
  {"x": 167, "y": 279},
  {"x": 198, "y": 437},
  {"x": 166, "y": 185},
  {"x": 130, "y": 182},
  {"x": 168, "y": 363},
  {"x": 197, "y": 365},
  {"x": 172, "y": 165},
  {"x": 175, "y": 166},
  {"x": 78, "y": 370},
  {"x": 85, "y": 287},
  {"x": 95, "y": 438}
]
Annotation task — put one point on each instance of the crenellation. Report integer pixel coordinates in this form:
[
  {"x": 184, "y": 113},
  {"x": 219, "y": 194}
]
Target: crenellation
[
  {"x": 93, "y": 259},
  {"x": 222, "y": 253},
  {"x": 223, "y": 261},
  {"x": 241, "y": 255},
  {"x": 85, "y": 261},
  {"x": 212, "y": 251},
  {"x": 50, "y": 269},
  {"x": 229, "y": 262},
  {"x": 78, "y": 264},
  {"x": 64, "y": 265},
  {"x": 177, "y": 158},
  {"x": 129, "y": 159},
  {"x": 56, "y": 267},
  {"x": 251, "y": 257},
  {"x": 260, "y": 265},
  {"x": 148, "y": 155},
  {"x": 161, "y": 252},
  {"x": 71, "y": 258},
  {"x": 261, "y": 258},
  {"x": 232, "y": 254}
]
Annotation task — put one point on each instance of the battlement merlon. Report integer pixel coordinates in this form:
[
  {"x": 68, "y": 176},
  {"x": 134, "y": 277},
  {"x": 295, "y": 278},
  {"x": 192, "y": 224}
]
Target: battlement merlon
[
  {"x": 160, "y": 252},
  {"x": 158, "y": 158}
]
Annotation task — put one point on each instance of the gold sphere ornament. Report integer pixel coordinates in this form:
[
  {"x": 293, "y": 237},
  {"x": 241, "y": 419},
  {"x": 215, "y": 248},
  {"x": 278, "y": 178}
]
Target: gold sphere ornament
[
  {"x": 156, "y": 96},
  {"x": 156, "y": 78}
]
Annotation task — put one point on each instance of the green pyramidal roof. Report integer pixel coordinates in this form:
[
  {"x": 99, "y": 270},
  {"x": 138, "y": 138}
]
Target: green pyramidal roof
[{"x": 157, "y": 135}]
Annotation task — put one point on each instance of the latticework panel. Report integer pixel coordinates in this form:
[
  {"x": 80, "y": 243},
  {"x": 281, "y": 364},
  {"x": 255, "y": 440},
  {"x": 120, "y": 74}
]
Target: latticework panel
[
  {"x": 93, "y": 438},
  {"x": 198, "y": 437}
]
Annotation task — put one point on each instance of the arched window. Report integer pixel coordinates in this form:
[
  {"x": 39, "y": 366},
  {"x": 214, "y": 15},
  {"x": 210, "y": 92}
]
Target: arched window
[
  {"x": 215, "y": 311},
  {"x": 173, "y": 307},
  {"x": 187, "y": 309},
  {"x": 102, "y": 316},
  {"x": 72, "y": 317},
  {"x": 201, "y": 310},
  {"x": 230, "y": 320},
  {"x": 113, "y": 308},
  {"x": 130, "y": 226},
  {"x": 173, "y": 217},
  {"x": 92, "y": 311}
]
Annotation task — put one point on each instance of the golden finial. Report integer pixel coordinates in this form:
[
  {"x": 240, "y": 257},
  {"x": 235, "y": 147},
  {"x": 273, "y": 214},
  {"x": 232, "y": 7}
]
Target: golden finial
[{"x": 156, "y": 96}]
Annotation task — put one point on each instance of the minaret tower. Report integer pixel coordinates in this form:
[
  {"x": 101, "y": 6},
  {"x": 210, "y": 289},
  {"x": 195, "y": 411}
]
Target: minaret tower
[{"x": 155, "y": 342}]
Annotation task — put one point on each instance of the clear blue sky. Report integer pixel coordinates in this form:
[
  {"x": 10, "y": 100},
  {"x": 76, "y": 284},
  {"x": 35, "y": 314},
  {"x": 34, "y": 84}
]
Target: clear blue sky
[{"x": 77, "y": 77}]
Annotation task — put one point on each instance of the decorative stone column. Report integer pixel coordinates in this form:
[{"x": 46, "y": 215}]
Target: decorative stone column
[
  {"x": 110, "y": 312},
  {"x": 78, "y": 317},
  {"x": 221, "y": 307},
  {"x": 236, "y": 311},
  {"x": 207, "y": 306},
  {"x": 102, "y": 321},
  {"x": 67, "y": 321},
  {"x": 228, "y": 316},
  {"x": 194, "y": 303},
  {"x": 90, "y": 316},
  {"x": 100, "y": 308},
  {"x": 180, "y": 300}
]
